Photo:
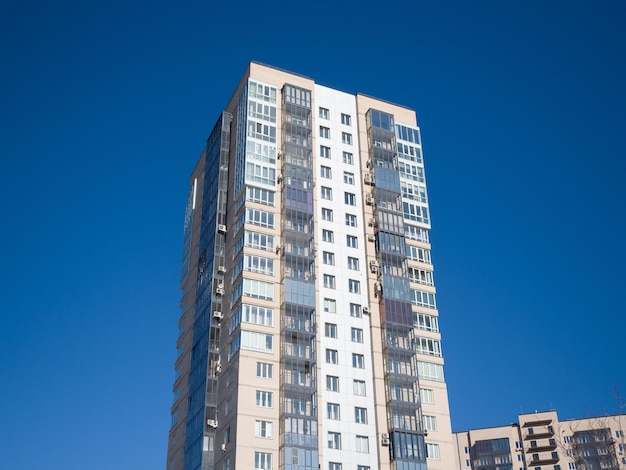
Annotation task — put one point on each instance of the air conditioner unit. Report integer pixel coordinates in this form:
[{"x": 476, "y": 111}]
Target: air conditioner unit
[
  {"x": 278, "y": 249},
  {"x": 370, "y": 163},
  {"x": 369, "y": 199},
  {"x": 223, "y": 447},
  {"x": 221, "y": 269},
  {"x": 279, "y": 155},
  {"x": 221, "y": 228},
  {"x": 374, "y": 266},
  {"x": 366, "y": 310},
  {"x": 384, "y": 439},
  {"x": 372, "y": 222},
  {"x": 219, "y": 291},
  {"x": 217, "y": 314},
  {"x": 212, "y": 423},
  {"x": 279, "y": 178},
  {"x": 371, "y": 238},
  {"x": 218, "y": 368},
  {"x": 369, "y": 178}
]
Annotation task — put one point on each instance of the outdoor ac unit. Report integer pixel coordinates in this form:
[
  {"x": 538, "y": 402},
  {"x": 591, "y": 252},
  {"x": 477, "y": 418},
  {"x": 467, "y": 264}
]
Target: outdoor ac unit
[
  {"x": 217, "y": 314},
  {"x": 384, "y": 439},
  {"x": 221, "y": 269},
  {"x": 212, "y": 422},
  {"x": 279, "y": 178},
  {"x": 366, "y": 310},
  {"x": 372, "y": 222},
  {"x": 370, "y": 164},
  {"x": 278, "y": 249},
  {"x": 368, "y": 178},
  {"x": 221, "y": 228},
  {"x": 374, "y": 266},
  {"x": 223, "y": 447},
  {"x": 279, "y": 155},
  {"x": 369, "y": 199},
  {"x": 371, "y": 238},
  {"x": 219, "y": 291}
]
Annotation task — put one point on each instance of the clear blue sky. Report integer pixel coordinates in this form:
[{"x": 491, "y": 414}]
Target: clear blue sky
[{"x": 105, "y": 108}]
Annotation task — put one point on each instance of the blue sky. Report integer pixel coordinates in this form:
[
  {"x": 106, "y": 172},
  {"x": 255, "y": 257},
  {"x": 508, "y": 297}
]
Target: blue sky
[{"x": 105, "y": 109}]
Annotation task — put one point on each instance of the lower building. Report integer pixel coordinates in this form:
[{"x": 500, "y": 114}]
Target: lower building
[{"x": 540, "y": 441}]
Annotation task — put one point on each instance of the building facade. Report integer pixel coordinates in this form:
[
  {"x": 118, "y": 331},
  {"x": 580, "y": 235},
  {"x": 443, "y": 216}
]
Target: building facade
[
  {"x": 539, "y": 441},
  {"x": 309, "y": 334}
]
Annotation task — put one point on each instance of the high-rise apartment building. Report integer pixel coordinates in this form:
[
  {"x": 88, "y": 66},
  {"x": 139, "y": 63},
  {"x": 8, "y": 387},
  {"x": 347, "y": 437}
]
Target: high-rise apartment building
[
  {"x": 540, "y": 441},
  {"x": 309, "y": 334}
]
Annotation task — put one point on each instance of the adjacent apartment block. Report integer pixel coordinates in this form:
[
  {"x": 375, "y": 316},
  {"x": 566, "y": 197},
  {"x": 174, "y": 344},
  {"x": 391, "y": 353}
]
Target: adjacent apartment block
[
  {"x": 539, "y": 441},
  {"x": 309, "y": 334}
]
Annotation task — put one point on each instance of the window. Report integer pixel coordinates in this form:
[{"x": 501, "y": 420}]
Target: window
[
  {"x": 263, "y": 399},
  {"x": 324, "y": 151},
  {"x": 334, "y": 440},
  {"x": 619, "y": 433},
  {"x": 334, "y": 466},
  {"x": 258, "y": 264},
  {"x": 348, "y": 178},
  {"x": 331, "y": 330},
  {"x": 362, "y": 444},
  {"x": 467, "y": 450},
  {"x": 332, "y": 356},
  {"x": 262, "y": 461},
  {"x": 355, "y": 310},
  {"x": 332, "y": 383},
  {"x": 260, "y": 218},
  {"x": 430, "y": 371},
  {"x": 354, "y": 286},
  {"x": 264, "y": 370},
  {"x": 567, "y": 439},
  {"x": 328, "y": 258},
  {"x": 427, "y": 395},
  {"x": 358, "y": 387},
  {"x": 348, "y": 158},
  {"x": 328, "y": 236},
  {"x": 329, "y": 281},
  {"x": 432, "y": 451},
  {"x": 362, "y": 467},
  {"x": 257, "y": 315},
  {"x": 430, "y": 422},
  {"x": 423, "y": 299},
  {"x": 358, "y": 361},
  {"x": 357, "y": 335},
  {"x": 325, "y": 132},
  {"x": 254, "y": 341},
  {"x": 430, "y": 346},
  {"x": 351, "y": 241},
  {"x": 426, "y": 322},
  {"x": 259, "y": 240},
  {"x": 324, "y": 113},
  {"x": 353, "y": 263},
  {"x": 263, "y": 429},
  {"x": 360, "y": 415},
  {"x": 346, "y": 119},
  {"x": 346, "y": 138},
  {"x": 349, "y": 199},
  {"x": 327, "y": 193},
  {"x": 330, "y": 306},
  {"x": 351, "y": 220},
  {"x": 327, "y": 214},
  {"x": 332, "y": 411},
  {"x": 326, "y": 172},
  {"x": 229, "y": 406}
]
